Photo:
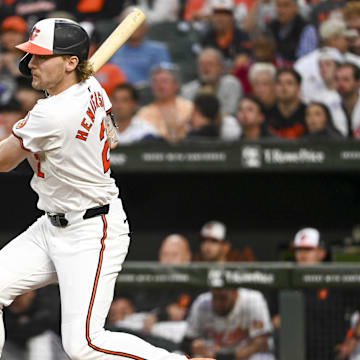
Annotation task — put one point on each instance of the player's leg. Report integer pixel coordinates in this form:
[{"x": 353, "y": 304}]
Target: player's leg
[
  {"x": 24, "y": 266},
  {"x": 87, "y": 278}
]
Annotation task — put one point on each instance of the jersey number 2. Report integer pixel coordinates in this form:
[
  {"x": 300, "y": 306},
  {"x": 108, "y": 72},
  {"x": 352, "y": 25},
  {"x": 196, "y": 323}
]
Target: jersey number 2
[
  {"x": 105, "y": 159},
  {"x": 39, "y": 172}
]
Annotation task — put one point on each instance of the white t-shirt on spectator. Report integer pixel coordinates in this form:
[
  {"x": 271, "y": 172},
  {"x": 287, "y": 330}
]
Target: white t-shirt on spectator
[
  {"x": 136, "y": 131},
  {"x": 230, "y": 129}
]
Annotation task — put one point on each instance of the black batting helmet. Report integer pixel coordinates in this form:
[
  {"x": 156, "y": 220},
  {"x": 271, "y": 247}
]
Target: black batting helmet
[{"x": 54, "y": 36}]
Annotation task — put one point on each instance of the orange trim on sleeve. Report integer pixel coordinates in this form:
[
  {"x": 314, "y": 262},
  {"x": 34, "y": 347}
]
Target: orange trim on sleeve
[
  {"x": 21, "y": 142},
  {"x": 93, "y": 295}
]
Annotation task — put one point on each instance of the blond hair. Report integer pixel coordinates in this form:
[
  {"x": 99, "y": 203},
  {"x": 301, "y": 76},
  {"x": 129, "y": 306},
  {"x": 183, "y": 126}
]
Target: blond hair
[{"x": 83, "y": 69}]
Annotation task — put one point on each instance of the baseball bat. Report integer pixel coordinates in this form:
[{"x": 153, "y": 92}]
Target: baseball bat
[{"x": 117, "y": 38}]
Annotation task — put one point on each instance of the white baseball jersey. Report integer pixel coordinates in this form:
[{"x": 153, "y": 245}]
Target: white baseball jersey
[
  {"x": 249, "y": 318},
  {"x": 69, "y": 127}
]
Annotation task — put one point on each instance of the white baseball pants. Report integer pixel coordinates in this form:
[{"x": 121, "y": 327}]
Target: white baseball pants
[{"x": 85, "y": 257}]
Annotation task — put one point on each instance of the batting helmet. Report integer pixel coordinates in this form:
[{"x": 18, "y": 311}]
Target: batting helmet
[{"x": 54, "y": 36}]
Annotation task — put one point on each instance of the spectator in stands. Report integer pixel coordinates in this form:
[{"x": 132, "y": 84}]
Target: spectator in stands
[
  {"x": 130, "y": 128},
  {"x": 224, "y": 35},
  {"x": 10, "y": 113},
  {"x": 211, "y": 76},
  {"x": 308, "y": 247},
  {"x": 26, "y": 94},
  {"x": 262, "y": 79},
  {"x": 138, "y": 56},
  {"x": 287, "y": 118},
  {"x": 325, "y": 91},
  {"x": 229, "y": 323},
  {"x": 263, "y": 51},
  {"x": 158, "y": 11},
  {"x": 170, "y": 114},
  {"x": 295, "y": 37},
  {"x": 110, "y": 75},
  {"x": 319, "y": 122},
  {"x": 206, "y": 118},
  {"x": 207, "y": 122},
  {"x": 13, "y": 32},
  {"x": 215, "y": 247},
  {"x": 251, "y": 116},
  {"x": 348, "y": 85},
  {"x": 335, "y": 37}
]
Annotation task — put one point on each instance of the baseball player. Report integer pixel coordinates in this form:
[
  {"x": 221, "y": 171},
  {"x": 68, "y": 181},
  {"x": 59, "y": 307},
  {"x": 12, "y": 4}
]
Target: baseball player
[
  {"x": 82, "y": 239},
  {"x": 231, "y": 323}
]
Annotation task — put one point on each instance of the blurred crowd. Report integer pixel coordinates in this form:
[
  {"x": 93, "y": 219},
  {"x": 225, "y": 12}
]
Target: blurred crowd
[{"x": 208, "y": 70}]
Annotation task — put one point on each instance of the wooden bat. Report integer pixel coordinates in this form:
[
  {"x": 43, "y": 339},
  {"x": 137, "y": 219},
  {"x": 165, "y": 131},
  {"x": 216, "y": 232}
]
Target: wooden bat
[{"x": 117, "y": 38}]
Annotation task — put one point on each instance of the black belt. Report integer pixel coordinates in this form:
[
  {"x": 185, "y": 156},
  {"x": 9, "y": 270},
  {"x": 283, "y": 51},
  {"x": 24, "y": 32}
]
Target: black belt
[{"x": 59, "y": 219}]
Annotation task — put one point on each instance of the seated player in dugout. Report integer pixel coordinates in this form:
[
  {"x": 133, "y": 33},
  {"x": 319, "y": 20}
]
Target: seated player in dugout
[
  {"x": 82, "y": 238},
  {"x": 214, "y": 246},
  {"x": 229, "y": 323}
]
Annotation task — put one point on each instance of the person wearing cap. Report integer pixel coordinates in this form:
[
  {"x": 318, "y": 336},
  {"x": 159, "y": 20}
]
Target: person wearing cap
[
  {"x": 82, "y": 238},
  {"x": 308, "y": 247},
  {"x": 214, "y": 245},
  {"x": 139, "y": 55},
  {"x": 224, "y": 34},
  {"x": 169, "y": 113},
  {"x": 12, "y": 32},
  {"x": 229, "y": 323}
]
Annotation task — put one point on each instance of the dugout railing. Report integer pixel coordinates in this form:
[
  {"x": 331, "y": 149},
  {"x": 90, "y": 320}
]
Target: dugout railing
[{"x": 314, "y": 302}]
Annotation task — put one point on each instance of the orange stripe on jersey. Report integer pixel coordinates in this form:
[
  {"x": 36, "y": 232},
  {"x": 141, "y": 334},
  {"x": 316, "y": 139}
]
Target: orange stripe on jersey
[
  {"x": 108, "y": 112},
  {"x": 93, "y": 294},
  {"x": 102, "y": 130},
  {"x": 21, "y": 142}
]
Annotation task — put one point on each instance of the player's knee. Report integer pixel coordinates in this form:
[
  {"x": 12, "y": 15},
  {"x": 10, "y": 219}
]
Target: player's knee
[{"x": 75, "y": 348}]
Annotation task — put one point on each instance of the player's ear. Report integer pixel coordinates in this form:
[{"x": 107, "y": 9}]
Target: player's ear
[{"x": 71, "y": 63}]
